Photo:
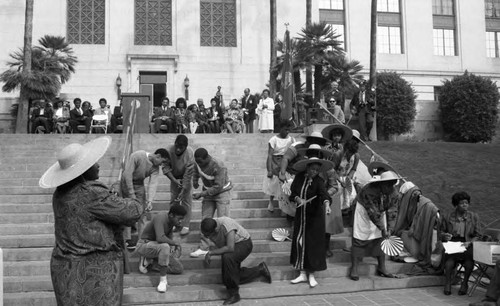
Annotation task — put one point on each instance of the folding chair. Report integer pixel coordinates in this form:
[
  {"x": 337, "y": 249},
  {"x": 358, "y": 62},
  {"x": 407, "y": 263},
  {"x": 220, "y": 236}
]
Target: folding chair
[{"x": 99, "y": 121}]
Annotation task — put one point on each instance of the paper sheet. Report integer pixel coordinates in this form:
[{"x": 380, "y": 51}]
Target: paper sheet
[{"x": 453, "y": 247}]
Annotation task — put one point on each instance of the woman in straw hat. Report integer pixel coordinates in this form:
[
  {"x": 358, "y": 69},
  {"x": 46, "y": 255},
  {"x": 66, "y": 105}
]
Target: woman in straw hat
[
  {"x": 338, "y": 134},
  {"x": 370, "y": 225},
  {"x": 309, "y": 192},
  {"x": 87, "y": 261}
]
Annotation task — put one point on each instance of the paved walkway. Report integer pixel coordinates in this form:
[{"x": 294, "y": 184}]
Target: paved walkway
[{"x": 428, "y": 296}]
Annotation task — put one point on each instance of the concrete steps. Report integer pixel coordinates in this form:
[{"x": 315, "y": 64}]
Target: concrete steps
[
  {"x": 27, "y": 229},
  {"x": 256, "y": 290}
]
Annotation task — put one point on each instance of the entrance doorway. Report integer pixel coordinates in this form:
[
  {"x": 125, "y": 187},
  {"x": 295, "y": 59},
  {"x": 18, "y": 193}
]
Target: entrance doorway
[{"x": 154, "y": 84}]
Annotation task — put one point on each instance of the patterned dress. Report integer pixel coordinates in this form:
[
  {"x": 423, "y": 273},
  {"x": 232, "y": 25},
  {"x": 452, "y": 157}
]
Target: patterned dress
[
  {"x": 87, "y": 261},
  {"x": 308, "y": 242}
]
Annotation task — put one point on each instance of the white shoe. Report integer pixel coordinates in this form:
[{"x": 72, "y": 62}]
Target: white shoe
[
  {"x": 162, "y": 286},
  {"x": 198, "y": 253},
  {"x": 300, "y": 279},
  {"x": 312, "y": 281},
  {"x": 143, "y": 265}
]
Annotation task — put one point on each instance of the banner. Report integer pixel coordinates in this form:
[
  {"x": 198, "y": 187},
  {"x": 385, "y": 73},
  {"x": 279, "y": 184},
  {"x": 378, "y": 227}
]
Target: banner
[{"x": 287, "y": 90}]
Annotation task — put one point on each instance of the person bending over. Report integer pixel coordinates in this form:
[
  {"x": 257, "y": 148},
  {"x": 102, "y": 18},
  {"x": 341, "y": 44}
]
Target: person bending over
[{"x": 234, "y": 244}]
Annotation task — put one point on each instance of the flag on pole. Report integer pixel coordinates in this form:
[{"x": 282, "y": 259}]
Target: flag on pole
[{"x": 287, "y": 91}]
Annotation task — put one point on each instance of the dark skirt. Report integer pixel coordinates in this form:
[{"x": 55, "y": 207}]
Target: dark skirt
[
  {"x": 93, "y": 279},
  {"x": 365, "y": 248}
]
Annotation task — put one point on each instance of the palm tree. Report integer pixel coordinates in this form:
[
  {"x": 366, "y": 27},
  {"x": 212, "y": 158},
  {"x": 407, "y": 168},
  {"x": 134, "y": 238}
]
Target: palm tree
[
  {"x": 52, "y": 64},
  {"x": 28, "y": 37},
  {"x": 316, "y": 41},
  {"x": 345, "y": 72}
]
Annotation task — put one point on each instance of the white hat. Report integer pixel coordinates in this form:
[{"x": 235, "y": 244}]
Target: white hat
[
  {"x": 314, "y": 147},
  {"x": 316, "y": 137},
  {"x": 73, "y": 160},
  {"x": 301, "y": 165},
  {"x": 385, "y": 177}
]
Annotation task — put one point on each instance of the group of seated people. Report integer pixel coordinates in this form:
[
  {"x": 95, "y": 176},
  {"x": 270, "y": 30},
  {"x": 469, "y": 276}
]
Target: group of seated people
[
  {"x": 59, "y": 118},
  {"x": 195, "y": 118}
]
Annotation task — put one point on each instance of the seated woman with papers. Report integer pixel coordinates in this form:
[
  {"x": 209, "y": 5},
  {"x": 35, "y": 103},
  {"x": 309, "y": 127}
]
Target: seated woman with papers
[{"x": 460, "y": 225}]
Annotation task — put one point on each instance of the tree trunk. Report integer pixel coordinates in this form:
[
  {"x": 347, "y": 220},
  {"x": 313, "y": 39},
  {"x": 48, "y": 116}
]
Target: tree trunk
[
  {"x": 297, "y": 81},
  {"x": 272, "y": 72},
  {"x": 318, "y": 79},
  {"x": 22, "y": 111},
  {"x": 309, "y": 85},
  {"x": 373, "y": 65}
]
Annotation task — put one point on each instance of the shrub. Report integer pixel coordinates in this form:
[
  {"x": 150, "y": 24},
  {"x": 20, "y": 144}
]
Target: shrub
[
  {"x": 468, "y": 105},
  {"x": 395, "y": 104}
]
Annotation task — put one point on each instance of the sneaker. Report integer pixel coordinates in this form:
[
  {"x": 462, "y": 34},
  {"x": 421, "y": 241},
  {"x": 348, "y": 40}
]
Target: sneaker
[
  {"x": 162, "y": 286},
  {"x": 184, "y": 231},
  {"x": 143, "y": 265},
  {"x": 198, "y": 253}
]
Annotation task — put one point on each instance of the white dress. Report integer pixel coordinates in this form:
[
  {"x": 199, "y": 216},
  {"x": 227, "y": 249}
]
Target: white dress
[{"x": 266, "y": 116}]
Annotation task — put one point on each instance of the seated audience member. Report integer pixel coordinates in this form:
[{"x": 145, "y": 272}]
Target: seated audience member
[
  {"x": 234, "y": 244},
  {"x": 214, "y": 114},
  {"x": 117, "y": 117},
  {"x": 42, "y": 117},
  {"x": 202, "y": 117},
  {"x": 493, "y": 292},
  {"x": 103, "y": 110},
  {"x": 180, "y": 115},
  {"x": 233, "y": 118},
  {"x": 191, "y": 118},
  {"x": 156, "y": 242},
  {"x": 164, "y": 115},
  {"x": 61, "y": 116},
  {"x": 459, "y": 225},
  {"x": 79, "y": 117}
]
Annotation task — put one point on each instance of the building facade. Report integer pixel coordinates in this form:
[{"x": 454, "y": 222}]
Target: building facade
[{"x": 155, "y": 46}]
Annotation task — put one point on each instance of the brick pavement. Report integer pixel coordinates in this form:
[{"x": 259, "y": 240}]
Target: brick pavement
[{"x": 426, "y": 296}]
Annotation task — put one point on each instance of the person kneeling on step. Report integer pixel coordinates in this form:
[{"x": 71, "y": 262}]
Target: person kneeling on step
[
  {"x": 234, "y": 244},
  {"x": 156, "y": 243}
]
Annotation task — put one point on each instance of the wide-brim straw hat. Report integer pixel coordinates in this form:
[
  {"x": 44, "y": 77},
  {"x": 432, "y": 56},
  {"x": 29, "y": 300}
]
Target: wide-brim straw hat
[
  {"x": 316, "y": 137},
  {"x": 377, "y": 164},
  {"x": 346, "y": 131},
  {"x": 301, "y": 165},
  {"x": 315, "y": 147},
  {"x": 73, "y": 160},
  {"x": 386, "y": 176}
]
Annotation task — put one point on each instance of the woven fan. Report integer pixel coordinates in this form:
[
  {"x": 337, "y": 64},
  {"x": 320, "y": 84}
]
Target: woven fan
[
  {"x": 280, "y": 234},
  {"x": 392, "y": 246}
]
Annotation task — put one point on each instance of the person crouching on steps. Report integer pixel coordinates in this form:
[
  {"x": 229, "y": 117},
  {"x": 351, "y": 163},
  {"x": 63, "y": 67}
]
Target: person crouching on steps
[
  {"x": 234, "y": 244},
  {"x": 157, "y": 243}
]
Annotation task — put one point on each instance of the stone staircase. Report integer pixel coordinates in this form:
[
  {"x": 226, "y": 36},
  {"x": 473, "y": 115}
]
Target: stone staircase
[{"x": 27, "y": 239}]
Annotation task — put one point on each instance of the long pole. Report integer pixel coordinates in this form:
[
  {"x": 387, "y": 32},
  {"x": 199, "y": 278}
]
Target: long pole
[
  {"x": 273, "y": 36},
  {"x": 309, "y": 87},
  {"x": 373, "y": 65}
]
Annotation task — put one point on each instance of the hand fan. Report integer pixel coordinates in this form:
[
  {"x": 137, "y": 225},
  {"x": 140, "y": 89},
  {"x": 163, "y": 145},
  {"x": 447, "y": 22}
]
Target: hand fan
[
  {"x": 392, "y": 246},
  {"x": 280, "y": 234}
]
